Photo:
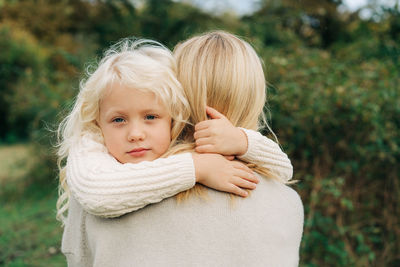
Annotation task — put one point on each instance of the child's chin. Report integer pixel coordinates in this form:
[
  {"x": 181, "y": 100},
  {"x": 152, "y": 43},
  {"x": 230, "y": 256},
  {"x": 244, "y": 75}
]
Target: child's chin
[
  {"x": 133, "y": 161},
  {"x": 139, "y": 159}
]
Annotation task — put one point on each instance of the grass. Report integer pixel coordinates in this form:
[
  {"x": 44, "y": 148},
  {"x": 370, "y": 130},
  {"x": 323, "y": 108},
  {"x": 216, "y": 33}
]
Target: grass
[
  {"x": 15, "y": 161},
  {"x": 29, "y": 233}
]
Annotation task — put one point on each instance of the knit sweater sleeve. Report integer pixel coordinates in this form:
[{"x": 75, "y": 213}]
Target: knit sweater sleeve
[
  {"x": 106, "y": 188},
  {"x": 266, "y": 152}
]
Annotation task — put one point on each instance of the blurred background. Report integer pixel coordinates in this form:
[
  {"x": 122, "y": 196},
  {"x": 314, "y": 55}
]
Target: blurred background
[{"x": 333, "y": 72}]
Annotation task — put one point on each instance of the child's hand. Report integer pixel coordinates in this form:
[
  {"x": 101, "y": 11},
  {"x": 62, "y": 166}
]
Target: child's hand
[
  {"x": 218, "y": 135},
  {"x": 217, "y": 172}
]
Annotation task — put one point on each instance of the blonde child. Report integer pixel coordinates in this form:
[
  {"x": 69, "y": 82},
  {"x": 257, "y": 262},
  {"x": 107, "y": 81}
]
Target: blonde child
[{"x": 132, "y": 109}]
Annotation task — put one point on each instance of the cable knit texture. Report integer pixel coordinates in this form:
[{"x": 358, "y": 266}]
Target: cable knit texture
[
  {"x": 107, "y": 188},
  {"x": 266, "y": 152}
]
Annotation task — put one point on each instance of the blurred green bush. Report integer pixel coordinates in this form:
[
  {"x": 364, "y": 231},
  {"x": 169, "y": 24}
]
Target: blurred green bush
[
  {"x": 339, "y": 119},
  {"x": 21, "y": 66},
  {"x": 334, "y": 93}
]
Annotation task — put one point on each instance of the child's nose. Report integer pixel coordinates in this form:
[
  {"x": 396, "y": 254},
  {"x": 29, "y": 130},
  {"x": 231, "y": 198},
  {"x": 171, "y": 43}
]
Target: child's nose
[{"x": 136, "y": 134}]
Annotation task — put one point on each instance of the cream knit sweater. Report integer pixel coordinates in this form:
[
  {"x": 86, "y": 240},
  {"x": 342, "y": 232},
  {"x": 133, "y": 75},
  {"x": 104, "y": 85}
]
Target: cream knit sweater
[
  {"x": 263, "y": 229},
  {"x": 104, "y": 187}
]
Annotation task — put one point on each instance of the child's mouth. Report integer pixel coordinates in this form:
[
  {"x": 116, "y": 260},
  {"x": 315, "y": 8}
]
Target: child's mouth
[{"x": 138, "y": 152}]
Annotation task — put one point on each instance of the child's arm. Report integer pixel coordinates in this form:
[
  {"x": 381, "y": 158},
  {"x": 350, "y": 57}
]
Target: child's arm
[
  {"x": 268, "y": 153},
  {"x": 107, "y": 188},
  {"x": 218, "y": 135}
]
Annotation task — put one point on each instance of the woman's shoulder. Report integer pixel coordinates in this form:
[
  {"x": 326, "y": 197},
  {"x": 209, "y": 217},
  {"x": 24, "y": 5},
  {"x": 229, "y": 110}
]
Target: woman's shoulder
[{"x": 280, "y": 191}]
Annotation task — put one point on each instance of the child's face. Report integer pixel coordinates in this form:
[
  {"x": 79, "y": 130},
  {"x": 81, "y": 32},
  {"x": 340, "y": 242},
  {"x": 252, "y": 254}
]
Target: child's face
[{"x": 136, "y": 126}]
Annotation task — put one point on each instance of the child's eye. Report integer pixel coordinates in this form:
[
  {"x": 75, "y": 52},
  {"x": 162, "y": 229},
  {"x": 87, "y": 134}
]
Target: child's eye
[
  {"x": 150, "y": 117},
  {"x": 118, "y": 120}
]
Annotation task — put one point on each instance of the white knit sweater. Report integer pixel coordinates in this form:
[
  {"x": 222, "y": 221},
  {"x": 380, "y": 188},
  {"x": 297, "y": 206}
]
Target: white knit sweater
[{"x": 104, "y": 187}]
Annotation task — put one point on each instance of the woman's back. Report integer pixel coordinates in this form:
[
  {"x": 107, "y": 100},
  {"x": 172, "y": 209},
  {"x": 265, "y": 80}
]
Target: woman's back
[{"x": 262, "y": 230}]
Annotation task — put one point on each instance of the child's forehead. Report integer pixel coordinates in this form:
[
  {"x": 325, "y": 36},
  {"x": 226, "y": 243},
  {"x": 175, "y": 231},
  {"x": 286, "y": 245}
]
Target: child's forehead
[
  {"x": 121, "y": 90},
  {"x": 121, "y": 87}
]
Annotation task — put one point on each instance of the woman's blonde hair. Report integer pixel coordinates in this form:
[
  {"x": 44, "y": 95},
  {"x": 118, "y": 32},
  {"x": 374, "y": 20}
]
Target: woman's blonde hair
[
  {"x": 220, "y": 70},
  {"x": 140, "y": 64}
]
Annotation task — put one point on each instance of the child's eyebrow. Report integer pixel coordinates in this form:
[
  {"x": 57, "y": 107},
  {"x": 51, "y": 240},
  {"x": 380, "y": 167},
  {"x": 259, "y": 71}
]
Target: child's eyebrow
[
  {"x": 157, "y": 110},
  {"x": 113, "y": 111}
]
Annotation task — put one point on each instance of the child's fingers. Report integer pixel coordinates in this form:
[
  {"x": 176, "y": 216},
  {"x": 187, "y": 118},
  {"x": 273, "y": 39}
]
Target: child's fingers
[
  {"x": 213, "y": 113},
  {"x": 205, "y": 149},
  {"x": 247, "y": 172},
  {"x": 201, "y": 134},
  {"x": 243, "y": 183},
  {"x": 204, "y": 141},
  {"x": 247, "y": 176},
  {"x": 230, "y": 158},
  {"x": 237, "y": 191},
  {"x": 240, "y": 165},
  {"x": 201, "y": 125}
]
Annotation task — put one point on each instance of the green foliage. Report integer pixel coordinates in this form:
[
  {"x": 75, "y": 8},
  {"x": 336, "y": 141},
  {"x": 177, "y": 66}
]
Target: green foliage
[
  {"x": 29, "y": 235},
  {"x": 333, "y": 94},
  {"x": 316, "y": 23},
  {"x": 21, "y": 63},
  {"x": 341, "y": 114},
  {"x": 170, "y": 22},
  {"x": 34, "y": 82}
]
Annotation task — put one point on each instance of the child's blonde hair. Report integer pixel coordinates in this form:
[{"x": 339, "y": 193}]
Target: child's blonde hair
[
  {"x": 221, "y": 70},
  {"x": 140, "y": 64}
]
